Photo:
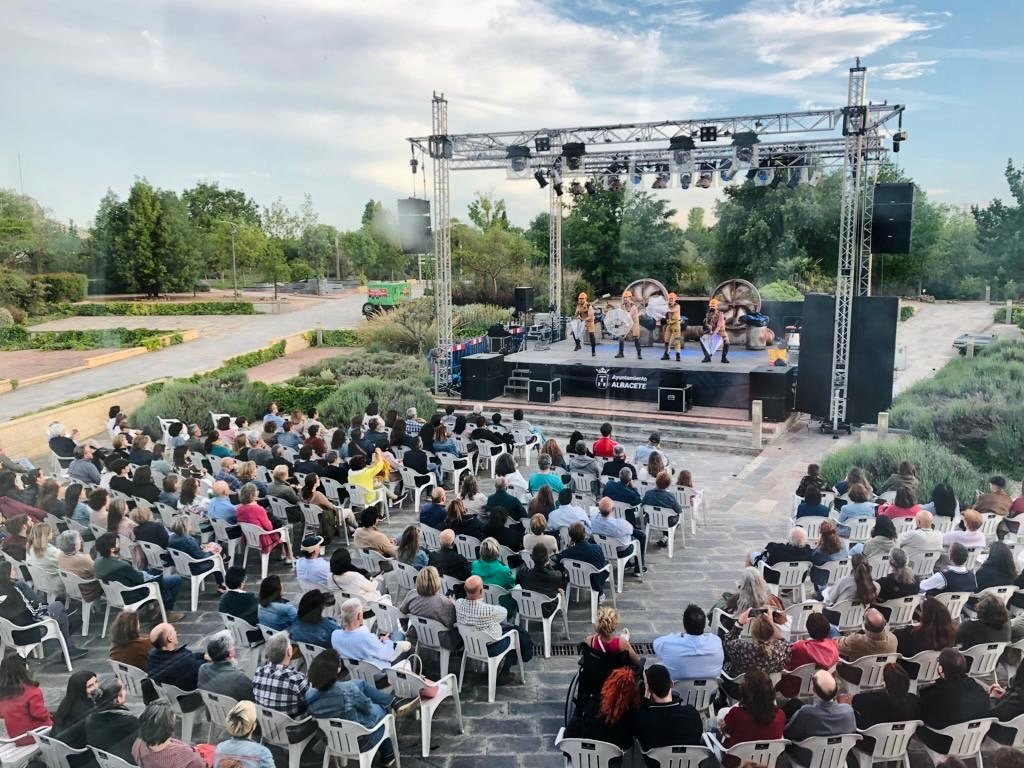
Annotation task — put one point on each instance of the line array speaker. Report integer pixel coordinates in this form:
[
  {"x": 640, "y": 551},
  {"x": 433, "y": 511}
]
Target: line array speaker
[
  {"x": 414, "y": 233},
  {"x": 891, "y": 218}
]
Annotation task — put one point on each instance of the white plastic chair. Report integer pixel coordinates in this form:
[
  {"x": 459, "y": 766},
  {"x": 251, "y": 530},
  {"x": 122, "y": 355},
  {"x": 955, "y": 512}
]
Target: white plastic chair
[
  {"x": 694, "y": 500},
  {"x": 467, "y": 546},
  {"x": 130, "y": 677},
  {"x": 240, "y": 630},
  {"x": 251, "y": 533},
  {"x": 274, "y": 727},
  {"x": 431, "y": 537},
  {"x": 428, "y": 635},
  {"x": 475, "y": 648},
  {"x": 1016, "y": 727},
  {"x": 879, "y": 566},
  {"x": 361, "y": 669},
  {"x": 388, "y": 616},
  {"x": 154, "y": 554},
  {"x": 790, "y": 577},
  {"x": 407, "y": 685},
  {"x": 837, "y": 569},
  {"x": 452, "y": 466},
  {"x": 927, "y": 669},
  {"x": 902, "y": 610},
  {"x": 805, "y": 674},
  {"x": 51, "y": 631},
  {"x": 810, "y": 524},
  {"x": 531, "y": 608},
  {"x": 1004, "y": 593},
  {"x": 172, "y": 694},
  {"x": 372, "y": 560},
  {"x": 610, "y": 549},
  {"x": 659, "y": 521},
  {"x": 493, "y": 594},
  {"x": 488, "y": 453},
  {"x": 414, "y": 484},
  {"x": 108, "y": 760},
  {"x": 698, "y": 693},
  {"x": 220, "y": 533},
  {"x": 343, "y": 740},
  {"x": 851, "y": 615},
  {"x": 182, "y": 564},
  {"x": 587, "y": 753},
  {"x": 954, "y": 602},
  {"x": 49, "y": 584},
  {"x": 405, "y": 574},
  {"x": 826, "y": 751},
  {"x": 983, "y": 658},
  {"x": 892, "y": 741},
  {"x": 217, "y": 708},
  {"x": 115, "y": 592},
  {"x": 904, "y": 524},
  {"x": 579, "y": 579},
  {"x": 678, "y": 756},
  {"x": 923, "y": 563},
  {"x": 871, "y": 668},
  {"x": 73, "y": 591},
  {"x": 989, "y": 524},
  {"x": 860, "y": 528},
  {"x": 762, "y": 753},
  {"x": 798, "y": 614},
  {"x": 965, "y": 740},
  {"x": 54, "y": 753}
]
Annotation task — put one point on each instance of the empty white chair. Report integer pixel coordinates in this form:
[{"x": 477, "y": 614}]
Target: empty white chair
[
  {"x": 428, "y": 635},
  {"x": 115, "y": 595},
  {"x": 787, "y": 577},
  {"x": 49, "y": 584},
  {"x": 407, "y": 685},
  {"x": 475, "y": 647},
  {"x": 587, "y": 753},
  {"x": 989, "y": 524},
  {"x": 851, "y": 615},
  {"x": 414, "y": 484},
  {"x": 901, "y": 610},
  {"x": 699, "y": 694},
  {"x": 251, "y": 533},
  {"x": 467, "y": 546},
  {"x": 452, "y": 466},
  {"x": 130, "y": 677},
  {"x": 891, "y": 742},
  {"x": 343, "y": 740},
  {"x": 879, "y": 566},
  {"x": 870, "y": 671},
  {"x": 610, "y": 549},
  {"x": 965, "y": 740},
  {"x": 579, "y": 579},
  {"x": 1003, "y": 593},
  {"x": 925, "y": 670},
  {"x": 659, "y": 521},
  {"x": 531, "y": 607},
  {"x": 51, "y": 631},
  {"x": 860, "y": 528},
  {"x": 811, "y": 525},
  {"x": 1010, "y": 733},
  {"x": 431, "y": 537},
  {"x": 183, "y": 565},
  {"x": 903, "y": 524},
  {"x": 923, "y": 563},
  {"x": 387, "y": 615},
  {"x": 173, "y": 695},
  {"x": 679, "y": 756},
  {"x": 825, "y": 751},
  {"x": 836, "y": 569},
  {"x": 488, "y": 453},
  {"x": 274, "y": 728},
  {"x": 405, "y": 575},
  {"x": 805, "y": 674},
  {"x": 493, "y": 594},
  {"x": 372, "y": 560},
  {"x": 52, "y": 752}
]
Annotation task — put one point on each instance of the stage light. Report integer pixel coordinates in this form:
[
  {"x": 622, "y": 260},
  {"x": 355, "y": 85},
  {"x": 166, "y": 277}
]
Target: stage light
[
  {"x": 708, "y": 133},
  {"x": 661, "y": 182},
  {"x": 636, "y": 178},
  {"x": 575, "y": 188},
  {"x": 558, "y": 188},
  {"x": 573, "y": 153},
  {"x": 855, "y": 120},
  {"x": 518, "y": 162},
  {"x": 744, "y": 149},
  {"x": 764, "y": 175},
  {"x": 541, "y": 181},
  {"x": 707, "y": 175},
  {"x": 591, "y": 189},
  {"x": 794, "y": 177},
  {"x": 898, "y": 138},
  {"x": 681, "y": 147},
  {"x": 813, "y": 176},
  {"x": 685, "y": 179},
  {"x": 542, "y": 143},
  {"x": 440, "y": 147},
  {"x": 726, "y": 170}
]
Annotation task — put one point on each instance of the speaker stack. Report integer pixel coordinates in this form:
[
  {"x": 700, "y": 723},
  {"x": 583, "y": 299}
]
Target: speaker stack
[
  {"x": 891, "y": 218},
  {"x": 483, "y": 376}
]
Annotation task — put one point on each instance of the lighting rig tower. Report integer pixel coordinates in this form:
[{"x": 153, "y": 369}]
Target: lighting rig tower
[
  {"x": 555, "y": 252},
  {"x": 440, "y": 147}
]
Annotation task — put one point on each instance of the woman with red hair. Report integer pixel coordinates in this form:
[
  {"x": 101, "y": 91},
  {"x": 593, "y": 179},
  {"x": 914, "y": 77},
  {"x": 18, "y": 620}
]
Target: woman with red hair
[{"x": 613, "y": 720}]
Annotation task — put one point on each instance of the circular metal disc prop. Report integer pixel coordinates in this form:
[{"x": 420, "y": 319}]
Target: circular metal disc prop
[
  {"x": 738, "y": 298},
  {"x": 645, "y": 289},
  {"x": 617, "y": 322},
  {"x": 657, "y": 307}
]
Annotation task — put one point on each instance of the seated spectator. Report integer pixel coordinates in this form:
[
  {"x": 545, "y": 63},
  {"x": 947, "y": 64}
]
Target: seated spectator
[
  {"x": 119, "y": 452},
  {"x": 997, "y": 499},
  {"x": 1007, "y": 704},
  {"x": 567, "y": 513},
  {"x": 857, "y": 587},
  {"x": 236, "y": 601},
  {"x": 550, "y": 448},
  {"x": 109, "y": 567},
  {"x": 82, "y": 467},
  {"x": 410, "y": 550},
  {"x": 830, "y": 548},
  {"x": 260, "y": 453},
  {"x": 312, "y": 626},
  {"x": 538, "y": 576},
  {"x": 901, "y": 581},
  {"x": 171, "y": 491},
  {"x": 41, "y": 553},
  {"x": 141, "y": 452},
  {"x": 905, "y": 504},
  {"x": 275, "y": 611},
  {"x": 59, "y": 442},
  {"x": 812, "y": 479},
  {"x": 22, "y": 707},
  {"x": 892, "y": 704},
  {"x": 650, "y": 469},
  {"x": 240, "y": 748},
  {"x": 245, "y": 471},
  {"x": 208, "y": 555},
  {"x": 624, "y": 489},
  {"x": 543, "y": 503},
  {"x": 999, "y": 568},
  {"x": 883, "y": 539},
  {"x": 121, "y": 480},
  {"x": 613, "y": 720},
  {"x": 369, "y": 536},
  {"x": 474, "y": 501},
  {"x": 811, "y": 506},
  {"x": 586, "y": 551},
  {"x": 219, "y": 507},
  {"x": 875, "y": 640},
  {"x": 183, "y": 464},
  {"x": 353, "y": 700},
  {"x": 859, "y": 505},
  {"x": 505, "y": 466},
  {"x": 494, "y": 572},
  {"x": 854, "y": 475},
  {"x": 763, "y": 650},
  {"x": 118, "y": 521},
  {"x": 315, "y": 441},
  {"x": 73, "y": 560},
  {"x": 361, "y": 473},
  {"x": 447, "y": 560},
  {"x": 991, "y": 626},
  {"x": 279, "y": 486},
  {"x": 792, "y": 551},
  {"x": 428, "y": 601},
  {"x": 955, "y": 577},
  {"x": 933, "y": 631},
  {"x": 953, "y": 698},
  {"x": 434, "y": 512},
  {"x": 507, "y": 536},
  {"x": 537, "y": 535},
  {"x": 663, "y": 496},
  {"x": 248, "y": 511},
  {"x": 580, "y": 461},
  {"x": 545, "y": 475},
  {"x": 819, "y": 648},
  {"x": 355, "y": 641},
  {"x": 127, "y": 644},
  {"x": 78, "y": 703},
  {"x": 214, "y": 445},
  {"x": 279, "y": 686},
  {"x": 12, "y": 503},
  {"x": 971, "y": 535},
  {"x": 155, "y": 747},
  {"x": 376, "y": 434},
  {"x": 462, "y": 523},
  {"x": 905, "y": 476},
  {"x": 695, "y": 654},
  {"x": 416, "y": 459},
  {"x": 74, "y": 504},
  {"x": 502, "y": 498},
  {"x": 311, "y": 568},
  {"x": 617, "y": 463},
  {"x": 604, "y": 446},
  {"x": 824, "y": 716},
  {"x": 177, "y": 666},
  {"x": 306, "y": 464},
  {"x": 348, "y": 578},
  {"x": 755, "y": 718},
  {"x": 112, "y": 727},
  {"x": 147, "y": 529},
  {"x": 604, "y": 523},
  {"x": 643, "y": 453},
  {"x": 663, "y": 719},
  {"x": 473, "y": 612},
  {"x": 752, "y": 593},
  {"x": 605, "y": 641}
]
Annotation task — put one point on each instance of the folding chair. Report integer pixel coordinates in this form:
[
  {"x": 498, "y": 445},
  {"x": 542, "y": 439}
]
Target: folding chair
[
  {"x": 587, "y": 753},
  {"x": 51, "y": 631},
  {"x": 115, "y": 596}
]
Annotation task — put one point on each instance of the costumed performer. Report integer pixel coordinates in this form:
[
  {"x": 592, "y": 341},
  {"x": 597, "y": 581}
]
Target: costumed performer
[
  {"x": 714, "y": 334},
  {"x": 673, "y": 328},
  {"x": 634, "y": 315},
  {"x": 585, "y": 316}
]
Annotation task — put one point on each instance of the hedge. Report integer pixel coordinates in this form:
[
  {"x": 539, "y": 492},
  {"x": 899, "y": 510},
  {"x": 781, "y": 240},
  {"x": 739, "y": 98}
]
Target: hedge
[
  {"x": 378, "y": 365},
  {"x": 350, "y": 398},
  {"x": 335, "y": 338},
  {"x": 38, "y": 294},
  {"x": 18, "y": 337},
  {"x": 1017, "y": 316},
  {"x": 138, "y": 308},
  {"x": 935, "y": 463},
  {"x": 236, "y": 366},
  {"x": 906, "y": 313}
]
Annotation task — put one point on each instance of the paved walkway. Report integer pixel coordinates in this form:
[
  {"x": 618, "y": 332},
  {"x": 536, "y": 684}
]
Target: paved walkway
[
  {"x": 287, "y": 367},
  {"x": 24, "y": 363}
]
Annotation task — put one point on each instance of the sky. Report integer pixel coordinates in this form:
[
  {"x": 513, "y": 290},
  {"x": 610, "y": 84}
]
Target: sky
[{"x": 285, "y": 97}]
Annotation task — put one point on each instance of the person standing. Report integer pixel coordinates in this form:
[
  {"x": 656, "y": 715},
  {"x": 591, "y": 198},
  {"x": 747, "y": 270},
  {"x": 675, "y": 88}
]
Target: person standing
[
  {"x": 673, "y": 328},
  {"x": 634, "y": 330},
  {"x": 585, "y": 316},
  {"x": 714, "y": 333}
]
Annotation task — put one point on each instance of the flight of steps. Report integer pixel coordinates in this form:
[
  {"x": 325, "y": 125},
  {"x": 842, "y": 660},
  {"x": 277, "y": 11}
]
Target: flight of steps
[{"x": 518, "y": 383}]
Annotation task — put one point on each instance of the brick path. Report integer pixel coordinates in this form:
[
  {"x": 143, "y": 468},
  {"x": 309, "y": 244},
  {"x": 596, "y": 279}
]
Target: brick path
[
  {"x": 287, "y": 367},
  {"x": 24, "y": 363}
]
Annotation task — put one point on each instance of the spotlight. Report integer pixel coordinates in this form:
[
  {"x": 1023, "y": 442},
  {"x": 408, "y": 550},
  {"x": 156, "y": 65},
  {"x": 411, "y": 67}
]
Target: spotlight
[
  {"x": 589, "y": 186},
  {"x": 726, "y": 170},
  {"x": 440, "y": 147},
  {"x": 707, "y": 175},
  {"x": 541, "y": 181},
  {"x": 573, "y": 153},
  {"x": 681, "y": 147},
  {"x": 661, "y": 182},
  {"x": 575, "y": 188},
  {"x": 764, "y": 175},
  {"x": 855, "y": 120},
  {"x": 685, "y": 180},
  {"x": 708, "y": 133},
  {"x": 744, "y": 147},
  {"x": 636, "y": 178},
  {"x": 813, "y": 177},
  {"x": 898, "y": 138},
  {"x": 517, "y": 162},
  {"x": 542, "y": 143},
  {"x": 794, "y": 177},
  {"x": 558, "y": 188},
  {"x": 776, "y": 178}
]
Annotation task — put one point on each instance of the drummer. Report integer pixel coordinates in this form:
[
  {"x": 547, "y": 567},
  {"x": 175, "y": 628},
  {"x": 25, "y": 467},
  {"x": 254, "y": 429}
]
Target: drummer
[
  {"x": 634, "y": 315},
  {"x": 673, "y": 328},
  {"x": 584, "y": 316},
  {"x": 714, "y": 333}
]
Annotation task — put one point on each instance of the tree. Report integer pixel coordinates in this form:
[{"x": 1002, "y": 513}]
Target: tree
[
  {"x": 1000, "y": 231},
  {"x": 279, "y": 222},
  {"x": 487, "y": 213},
  {"x": 206, "y": 202},
  {"x": 361, "y": 251},
  {"x": 148, "y": 271},
  {"x": 537, "y": 233},
  {"x": 491, "y": 253},
  {"x": 175, "y": 244}
]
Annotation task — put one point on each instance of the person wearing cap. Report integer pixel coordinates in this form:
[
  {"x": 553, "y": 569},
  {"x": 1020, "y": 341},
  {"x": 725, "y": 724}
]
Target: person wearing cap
[
  {"x": 634, "y": 330},
  {"x": 643, "y": 452},
  {"x": 673, "y": 333},
  {"x": 617, "y": 463},
  {"x": 241, "y": 748},
  {"x": 311, "y": 568},
  {"x": 714, "y": 326},
  {"x": 585, "y": 314}
]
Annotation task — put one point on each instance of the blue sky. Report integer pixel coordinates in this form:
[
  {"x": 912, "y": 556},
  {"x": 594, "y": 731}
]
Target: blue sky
[{"x": 284, "y": 97}]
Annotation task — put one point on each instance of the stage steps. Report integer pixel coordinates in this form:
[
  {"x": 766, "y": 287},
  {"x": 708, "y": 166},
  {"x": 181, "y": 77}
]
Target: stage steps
[{"x": 518, "y": 382}]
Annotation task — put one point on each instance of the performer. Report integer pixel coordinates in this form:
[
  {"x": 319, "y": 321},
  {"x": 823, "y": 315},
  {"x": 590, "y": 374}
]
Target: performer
[
  {"x": 673, "y": 328},
  {"x": 714, "y": 333},
  {"x": 634, "y": 313},
  {"x": 585, "y": 318}
]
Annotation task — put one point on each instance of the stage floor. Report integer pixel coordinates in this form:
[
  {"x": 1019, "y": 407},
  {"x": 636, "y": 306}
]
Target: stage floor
[{"x": 561, "y": 353}]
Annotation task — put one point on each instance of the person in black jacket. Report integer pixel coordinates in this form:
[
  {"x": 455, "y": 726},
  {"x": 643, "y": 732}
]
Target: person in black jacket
[
  {"x": 502, "y": 498},
  {"x": 416, "y": 459},
  {"x": 663, "y": 719},
  {"x": 112, "y": 727},
  {"x": 121, "y": 481},
  {"x": 792, "y": 551},
  {"x": 953, "y": 698},
  {"x": 893, "y": 704},
  {"x": 541, "y": 577},
  {"x": 1007, "y": 703},
  {"x": 167, "y": 663},
  {"x": 447, "y": 560},
  {"x": 143, "y": 485},
  {"x": 506, "y": 536},
  {"x": 587, "y": 551},
  {"x": 79, "y": 702}
]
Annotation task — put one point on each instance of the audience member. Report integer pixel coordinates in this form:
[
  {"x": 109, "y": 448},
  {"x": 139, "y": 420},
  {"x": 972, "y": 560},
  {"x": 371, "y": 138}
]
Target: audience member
[
  {"x": 447, "y": 560},
  {"x": 78, "y": 703},
  {"x": 279, "y": 686},
  {"x": 901, "y": 581},
  {"x": 127, "y": 644},
  {"x": 605, "y": 641},
  {"x": 999, "y": 568},
  {"x": 505, "y": 500},
  {"x": 991, "y": 626},
  {"x": 177, "y": 666},
  {"x": 892, "y": 704},
  {"x": 812, "y": 479},
  {"x": 473, "y": 612},
  {"x": 240, "y": 748},
  {"x": 274, "y": 610},
  {"x": 538, "y": 535},
  {"x": 933, "y": 631},
  {"x": 221, "y": 673},
  {"x": 830, "y": 548},
  {"x": 236, "y": 601},
  {"x": 819, "y": 648},
  {"x": 755, "y": 718},
  {"x": 955, "y": 577},
  {"x": 354, "y": 640},
  {"x": 824, "y": 716},
  {"x": 312, "y": 626},
  {"x": 997, "y": 499},
  {"x": 664, "y": 720},
  {"x": 763, "y": 650},
  {"x": 953, "y": 698},
  {"x": 904, "y": 476},
  {"x": 311, "y": 568},
  {"x": 614, "y": 466},
  {"x": 434, "y": 512},
  {"x": 567, "y": 513},
  {"x": 811, "y": 505},
  {"x": 792, "y": 551},
  {"x": 410, "y": 549},
  {"x": 346, "y": 577},
  {"x": 971, "y": 535},
  {"x": 859, "y": 505},
  {"x": 22, "y": 707},
  {"x": 604, "y": 446},
  {"x": 155, "y": 747},
  {"x": 110, "y": 567},
  {"x": 693, "y": 654},
  {"x": 112, "y": 727},
  {"x": 875, "y": 640},
  {"x": 462, "y": 523},
  {"x": 613, "y": 719},
  {"x": 428, "y": 602},
  {"x": 545, "y": 475},
  {"x": 618, "y": 530}
]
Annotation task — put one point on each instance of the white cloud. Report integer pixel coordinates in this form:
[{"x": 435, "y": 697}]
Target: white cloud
[{"x": 905, "y": 70}]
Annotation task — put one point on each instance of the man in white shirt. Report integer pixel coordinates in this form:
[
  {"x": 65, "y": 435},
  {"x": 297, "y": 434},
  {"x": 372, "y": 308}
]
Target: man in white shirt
[
  {"x": 971, "y": 536},
  {"x": 955, "y": 577},
  {"x": 566, "y": 513},
  {"x": 922, "y": 539},
  {"x": 604, "y": 523},
  {"x": 694, "y": 654},
  {"x": 355, "y": 641},
  {"x": 473, "y": 612},
  {"x": 311, "y": 568}
]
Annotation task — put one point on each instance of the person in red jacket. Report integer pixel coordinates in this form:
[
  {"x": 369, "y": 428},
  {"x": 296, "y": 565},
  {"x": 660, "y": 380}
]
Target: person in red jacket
[
  {"x": 756, "y": 718},
  {"x": 819, "y": 649},
  {"x": 248, "y": 511},
  {"x": 21, "y": 699},
  {"x": 604, "y": 446}
]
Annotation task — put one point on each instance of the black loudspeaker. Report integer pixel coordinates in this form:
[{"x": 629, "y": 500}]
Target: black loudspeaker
[
  {"x": 483, "y": 389},
  {"x": 891, "y": 218},
  {"x": 484, "y": 365},
  {"x": 414, "y": 225},
  {"x": 872, "y": 357},
  {"x": 524, "y": 298}
]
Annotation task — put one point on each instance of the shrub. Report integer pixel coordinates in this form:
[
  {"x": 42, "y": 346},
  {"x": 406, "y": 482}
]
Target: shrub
[
  {"x": 934, "y": 463},
  {"x": 61, "y": 287},
  {"x": 1017, "y": 318},
  {"x": 780, "y": 290},
  {"x": 190, "y": 401},
  {"x": 906, "y": 313},
  {"x": 18, "y": 337},
  {"x": 142, "y": 309},
  {"x": 377, "y": 365},
  {"x": 411, "y": 327},
  {"x": 335, "y": 338},
  {"x": 351, "y": 398},
  {"x": 6, "y": 318},
  {"x": 20, "y": 315}
]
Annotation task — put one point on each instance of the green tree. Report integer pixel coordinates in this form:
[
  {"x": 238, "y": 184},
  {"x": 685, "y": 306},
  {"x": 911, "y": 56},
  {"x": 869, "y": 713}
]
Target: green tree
[
  {"x": 487, "y": 213},
  {"x": 999, "y": 231},
  {"x": 206, "y": 202},
  {"x": 148, "y": 271},
  {"x": 279, "y": 222},
  {"x": 491, "y": 254},
  {"x": 537, "y": 233},
  {"x": 361, "y": 251},
  {"x": 107, "y": 246},
  {"x": 175, "y": 244}
]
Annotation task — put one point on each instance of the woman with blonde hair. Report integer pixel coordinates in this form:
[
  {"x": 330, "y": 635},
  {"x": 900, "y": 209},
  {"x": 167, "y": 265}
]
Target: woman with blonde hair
[
  {"x": 241, "y": 749},
  {"x": 752, "y": 593},
  {"x": 538, "y": 535},
  {"x": 428, "y": 602},
  {"x": 245, "y": 471},
  {"x": 40, "y": 552},
  {"x": 655, "y": 465},
  {"x": 604, "y": 640}
]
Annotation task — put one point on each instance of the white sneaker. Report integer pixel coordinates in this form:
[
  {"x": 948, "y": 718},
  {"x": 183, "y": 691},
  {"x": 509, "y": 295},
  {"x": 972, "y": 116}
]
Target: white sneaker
[{"x": 625, "y": 634}]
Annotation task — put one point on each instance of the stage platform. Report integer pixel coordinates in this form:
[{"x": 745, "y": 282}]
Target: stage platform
[{"x": 561, "y": 372}]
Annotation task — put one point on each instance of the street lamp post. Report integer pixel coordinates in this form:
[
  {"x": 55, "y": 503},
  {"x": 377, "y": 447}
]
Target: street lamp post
[{"x": 234, "y": 266}]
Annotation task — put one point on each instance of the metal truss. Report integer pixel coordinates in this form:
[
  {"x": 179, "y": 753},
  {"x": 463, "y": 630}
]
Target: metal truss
[
  {"x": 867, "y": 210},
  {"x": 555, "y": 251},
  {"x": 442, "y": 248}
]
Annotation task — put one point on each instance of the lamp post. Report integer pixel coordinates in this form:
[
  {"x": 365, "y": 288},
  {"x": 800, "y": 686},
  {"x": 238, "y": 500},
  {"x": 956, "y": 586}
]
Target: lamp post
[{"x": 234, "y": 268}]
